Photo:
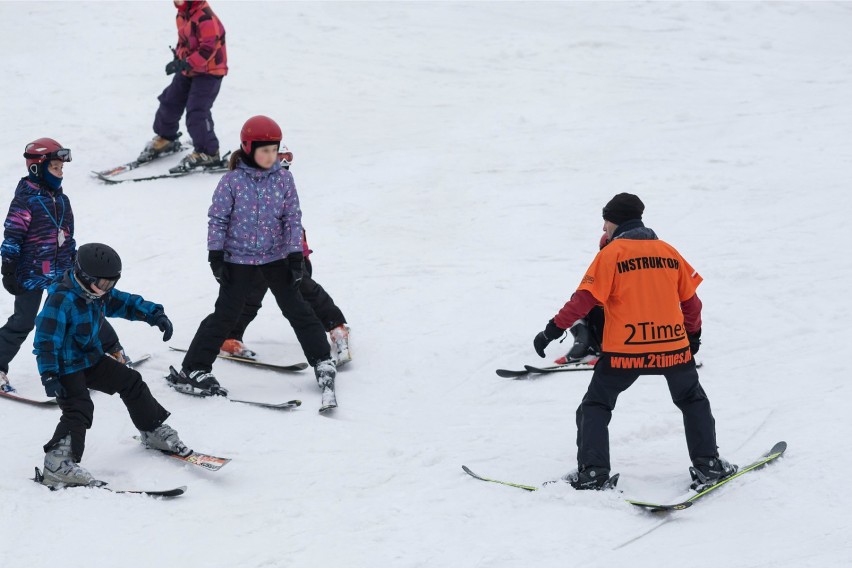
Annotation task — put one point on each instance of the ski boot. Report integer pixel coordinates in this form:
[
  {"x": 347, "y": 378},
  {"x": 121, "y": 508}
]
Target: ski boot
[
  {"x": 196, "y": 383},
  {"x": 62, "y": 470},
  {"x": 326, "y": 372},
  {"x": 165, "y": 438},
  {"x": 197, "y": 160},
  {"x": 5, "y": 385},
  {"x": 709, "y": 471},
  {"x": 159, "y": 146},
  {"x": 585, "y": 348},
  {"x": 340, "y": 350},
  {"x": 236, "y": 348},
  {"x": 591, "y": 477}
]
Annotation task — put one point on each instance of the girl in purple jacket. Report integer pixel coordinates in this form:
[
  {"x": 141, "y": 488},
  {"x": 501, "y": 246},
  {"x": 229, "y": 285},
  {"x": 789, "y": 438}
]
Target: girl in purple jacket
[{"x": 255, "y": 231}]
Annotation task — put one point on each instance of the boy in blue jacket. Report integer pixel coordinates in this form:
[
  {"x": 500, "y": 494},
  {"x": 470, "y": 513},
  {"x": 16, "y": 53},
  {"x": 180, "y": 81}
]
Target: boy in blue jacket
[{"x": 71, "y": 361}]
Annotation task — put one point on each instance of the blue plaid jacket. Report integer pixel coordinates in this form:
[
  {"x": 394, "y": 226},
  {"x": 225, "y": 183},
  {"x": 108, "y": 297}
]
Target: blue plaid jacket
[{"x": 68, "y": 326}]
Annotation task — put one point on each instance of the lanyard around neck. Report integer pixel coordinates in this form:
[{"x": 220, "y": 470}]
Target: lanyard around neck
[{"x": 52, "y": 218}]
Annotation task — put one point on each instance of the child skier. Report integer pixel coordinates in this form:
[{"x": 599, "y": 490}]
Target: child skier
[
  {"x": 254, "y": 231},
  {"x": 71, "y": 361},
  {"x": 320, "y": 301},
  {"x": 38, "y": 247},
  {"x": 200, "y": 63}
]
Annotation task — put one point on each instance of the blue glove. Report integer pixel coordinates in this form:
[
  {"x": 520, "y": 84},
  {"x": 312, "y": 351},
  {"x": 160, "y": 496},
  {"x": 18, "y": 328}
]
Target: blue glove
[
  {"x": 165, "y": 325},
  {"x": 52, "y": 386}
]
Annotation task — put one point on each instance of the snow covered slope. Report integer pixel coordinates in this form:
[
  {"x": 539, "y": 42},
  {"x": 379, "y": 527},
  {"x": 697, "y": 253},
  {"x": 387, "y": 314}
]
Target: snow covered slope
[{"x": 452, "y": 160}]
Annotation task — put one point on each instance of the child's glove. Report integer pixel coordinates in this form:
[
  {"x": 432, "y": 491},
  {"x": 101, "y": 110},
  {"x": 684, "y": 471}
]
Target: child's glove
[
  {"x": 216, "y": 258},
  {"x": 176, "y": 66},
  {"x": 10, "y": 283},
  {"x": 165, "y": 325},
  {"x": 296, "y": 264},
  {"x": 52, "y": 386}
]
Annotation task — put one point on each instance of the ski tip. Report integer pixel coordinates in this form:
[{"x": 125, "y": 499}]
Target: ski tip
[
  {"x": 778, "y": 448},
  {"x": 39, "y": 477}
]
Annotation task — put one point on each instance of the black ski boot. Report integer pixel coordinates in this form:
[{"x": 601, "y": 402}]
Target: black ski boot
[
  {"x": 709, "y": 471},
  {"x": 197, "y": 160},
  {"x": 196, "y": 383},
  {"x": 591, "y": 477}
]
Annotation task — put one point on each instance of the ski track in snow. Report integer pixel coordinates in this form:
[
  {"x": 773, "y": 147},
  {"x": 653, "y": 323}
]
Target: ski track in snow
[{"x": 452, "y": 160}]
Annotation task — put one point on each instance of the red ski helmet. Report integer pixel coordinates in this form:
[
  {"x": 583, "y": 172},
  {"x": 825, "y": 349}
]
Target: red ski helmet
[
  {"x": 43, "y": 150},
  {"x": 259, "y": 129}
]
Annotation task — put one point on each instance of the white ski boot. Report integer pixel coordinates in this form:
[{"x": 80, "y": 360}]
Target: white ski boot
[
  {"x": 60, "y": 469},
  {"x": 340, "y": 349},
  {"x": 326, "y": 372},
  {"x": 165, "y": 438}
]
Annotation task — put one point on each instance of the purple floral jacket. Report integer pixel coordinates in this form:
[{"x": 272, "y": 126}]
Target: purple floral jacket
[{"x": 255, "y": 216}]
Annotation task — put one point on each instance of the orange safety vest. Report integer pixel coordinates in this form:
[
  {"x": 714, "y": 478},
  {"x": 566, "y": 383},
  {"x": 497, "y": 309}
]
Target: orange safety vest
[{"x": 641, "y": 284}]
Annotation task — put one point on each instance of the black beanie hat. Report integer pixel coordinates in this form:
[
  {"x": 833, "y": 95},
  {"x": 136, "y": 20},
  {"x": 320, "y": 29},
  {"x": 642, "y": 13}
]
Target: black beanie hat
[{"x": 623, "y": 207}]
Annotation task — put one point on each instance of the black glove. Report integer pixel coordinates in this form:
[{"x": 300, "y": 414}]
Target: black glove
[
  {"x": 296, "y": 264},
  {"x": 543, "y": 339},
  {"x": 8, "y": 270},
  {"x": 216, "y": 258},
  {"x": 694, "y": 341},
  {"x": 52, "y": 386},
  {"x": 165, "y": 325},
  {"x": 176, "y": 66}
]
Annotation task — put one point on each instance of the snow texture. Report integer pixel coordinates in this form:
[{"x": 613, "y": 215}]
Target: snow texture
[{"x": 452, "y": 160}]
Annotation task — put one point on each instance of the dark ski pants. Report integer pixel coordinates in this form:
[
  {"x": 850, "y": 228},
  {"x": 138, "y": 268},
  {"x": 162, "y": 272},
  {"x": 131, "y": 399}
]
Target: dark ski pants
[
  {"x": 323, "y": 305},
  {"x": 240, "y": 281},
  {"x": 595, "y": 412},
  {"x": 195, "y": 94},
  {"x": 22, "y": 322},
  {"x": 111, "y": 377}
]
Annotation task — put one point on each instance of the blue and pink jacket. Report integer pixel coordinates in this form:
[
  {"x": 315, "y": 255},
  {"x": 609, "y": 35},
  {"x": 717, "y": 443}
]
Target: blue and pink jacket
[
  {"x": 255, "y": 216},
  {"x": 31, "y": 235}
]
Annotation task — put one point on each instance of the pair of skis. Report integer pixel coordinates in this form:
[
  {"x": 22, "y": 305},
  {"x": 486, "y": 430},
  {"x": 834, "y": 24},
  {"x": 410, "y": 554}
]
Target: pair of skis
[
  {"x": 774, "y": 453},
  {"x": 530, "y": 371},
  {"x": 329, "y": 402},
  {"x": 108, "y": 176},
  {"x": 202, "y": 460}
]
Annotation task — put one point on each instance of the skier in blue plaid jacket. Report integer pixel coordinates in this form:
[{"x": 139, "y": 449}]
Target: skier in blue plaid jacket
[{"x": 71, "y": 361}]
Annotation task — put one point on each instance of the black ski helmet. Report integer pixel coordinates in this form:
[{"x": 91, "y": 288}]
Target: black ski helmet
[{"x": 98, "y": 264}]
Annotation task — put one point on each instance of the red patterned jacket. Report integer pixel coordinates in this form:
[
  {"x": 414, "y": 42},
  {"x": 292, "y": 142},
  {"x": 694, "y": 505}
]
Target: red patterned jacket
[{"x": 201, "y": 40}]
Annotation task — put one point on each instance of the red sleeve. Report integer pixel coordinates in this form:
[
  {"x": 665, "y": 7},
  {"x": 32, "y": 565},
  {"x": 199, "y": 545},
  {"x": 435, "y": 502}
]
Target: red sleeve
[
  {"x": 691, "y": 314},
  {"x": 580, "y": 304}
]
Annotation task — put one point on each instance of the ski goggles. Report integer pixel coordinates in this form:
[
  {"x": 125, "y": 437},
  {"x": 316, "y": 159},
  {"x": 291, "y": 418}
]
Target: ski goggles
[
  {"x": 102, "y": 284},
  {"x": 285, "y": 156},
  {"x": 63, "y": 155}
]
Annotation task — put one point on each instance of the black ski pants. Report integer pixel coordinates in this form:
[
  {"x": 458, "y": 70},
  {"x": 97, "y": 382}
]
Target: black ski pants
[
  {"x": 595, "y": 412},
  {"x": 239, "y": 283},
  {"x": 320, "y": 301},
  {"x": 22, "y": 322},
  {"x": 111, "y": 377}
]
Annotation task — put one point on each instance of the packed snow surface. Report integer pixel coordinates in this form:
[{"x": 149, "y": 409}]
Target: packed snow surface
[{"x": 452, "y": 160}]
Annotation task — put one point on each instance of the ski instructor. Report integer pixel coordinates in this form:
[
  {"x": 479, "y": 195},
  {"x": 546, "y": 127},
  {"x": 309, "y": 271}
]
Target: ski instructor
[{"x": 653, "y": 327}]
